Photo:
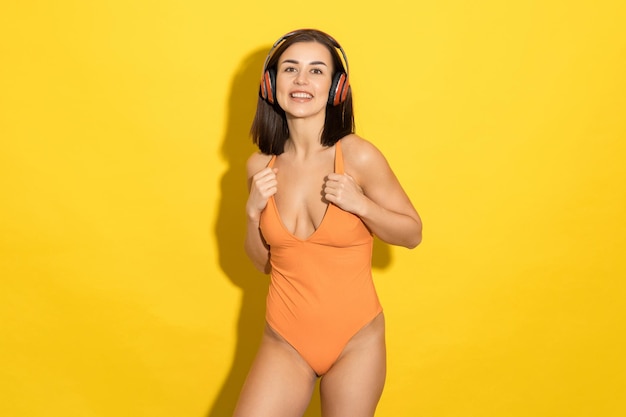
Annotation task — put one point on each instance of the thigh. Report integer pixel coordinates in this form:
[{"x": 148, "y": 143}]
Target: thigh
[
  {"x": 353, "y": 386},
  {"x": 280, "y": 383}
]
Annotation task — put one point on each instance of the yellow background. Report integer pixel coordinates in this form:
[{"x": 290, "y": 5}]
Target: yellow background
[{"x": 123, "y": 124}]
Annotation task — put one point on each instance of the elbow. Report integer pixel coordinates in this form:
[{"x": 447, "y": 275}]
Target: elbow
[
  {"x": 414, "y": 242},
  {"x": 415, "y": 238},
  {"x": 264, "y": 268},
  {"x": 260, "y": 263},
  {"x": 409, "y": 242}
]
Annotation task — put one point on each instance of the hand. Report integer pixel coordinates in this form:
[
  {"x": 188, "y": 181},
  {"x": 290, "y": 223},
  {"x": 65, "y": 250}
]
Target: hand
[
  {"x": 343, "y": 191},
  {"x": 262, "y": 187}
]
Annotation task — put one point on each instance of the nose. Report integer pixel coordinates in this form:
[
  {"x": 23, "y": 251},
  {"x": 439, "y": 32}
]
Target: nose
[{"x": 301, "y": 78}]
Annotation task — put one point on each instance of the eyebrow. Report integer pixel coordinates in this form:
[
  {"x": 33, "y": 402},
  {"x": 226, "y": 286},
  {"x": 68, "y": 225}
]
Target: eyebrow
[{"x": 293, "y": 61}]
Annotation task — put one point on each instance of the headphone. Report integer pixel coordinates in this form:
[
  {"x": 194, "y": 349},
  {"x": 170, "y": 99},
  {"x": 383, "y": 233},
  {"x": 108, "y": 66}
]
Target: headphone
[{"x": 338, "y": 88}]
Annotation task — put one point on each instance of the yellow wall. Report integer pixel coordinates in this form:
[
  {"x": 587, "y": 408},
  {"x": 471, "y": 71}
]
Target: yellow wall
[{"x": 124, "y": 288}]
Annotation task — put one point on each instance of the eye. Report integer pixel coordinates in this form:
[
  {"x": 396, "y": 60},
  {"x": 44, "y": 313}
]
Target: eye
[
  {"x": 290, "y": 69},
  {"x": 317, "y": 71}
]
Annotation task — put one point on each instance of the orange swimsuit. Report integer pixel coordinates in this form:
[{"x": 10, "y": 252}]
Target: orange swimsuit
[{"x": 321, "y": 291}]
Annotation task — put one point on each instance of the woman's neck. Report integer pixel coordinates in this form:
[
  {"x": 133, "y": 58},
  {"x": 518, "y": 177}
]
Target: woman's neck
[{"x": 304, "y": 136}]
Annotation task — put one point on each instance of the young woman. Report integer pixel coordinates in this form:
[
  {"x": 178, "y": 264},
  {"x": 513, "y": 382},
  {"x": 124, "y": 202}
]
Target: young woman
[{"x": 318, "y": 193}]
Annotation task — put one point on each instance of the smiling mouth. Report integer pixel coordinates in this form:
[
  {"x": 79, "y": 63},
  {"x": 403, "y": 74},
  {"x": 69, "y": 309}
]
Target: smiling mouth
[{"x": 301, "y": 95}]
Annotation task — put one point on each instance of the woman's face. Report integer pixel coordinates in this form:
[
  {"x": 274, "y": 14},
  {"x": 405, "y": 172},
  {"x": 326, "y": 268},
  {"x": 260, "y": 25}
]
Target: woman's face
[{"x": 303, "y": 78}]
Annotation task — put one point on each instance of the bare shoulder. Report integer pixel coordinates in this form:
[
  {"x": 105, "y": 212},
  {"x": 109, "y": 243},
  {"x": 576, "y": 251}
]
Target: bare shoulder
[
  {"x": 360, "y": 155},
  {"x": 256, "y": 162}
]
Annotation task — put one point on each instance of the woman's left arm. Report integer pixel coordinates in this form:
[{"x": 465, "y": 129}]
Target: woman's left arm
[{"x": 371, "y": 190}]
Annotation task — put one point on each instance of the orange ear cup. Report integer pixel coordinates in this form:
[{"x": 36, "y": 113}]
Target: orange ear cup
[
  {"x": 338, "y": 89},
  {"x": 268, "y": 86}
]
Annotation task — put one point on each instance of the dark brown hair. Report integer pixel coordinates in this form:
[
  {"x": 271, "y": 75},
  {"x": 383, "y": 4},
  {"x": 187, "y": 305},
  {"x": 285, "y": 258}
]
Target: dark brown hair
[{"x": 269, "y": 129}]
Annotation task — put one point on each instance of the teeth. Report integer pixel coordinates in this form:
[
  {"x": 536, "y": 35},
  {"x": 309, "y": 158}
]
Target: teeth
[{"x": 301, "y": 95}]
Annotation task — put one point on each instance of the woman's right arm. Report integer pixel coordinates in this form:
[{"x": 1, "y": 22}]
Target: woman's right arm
[{"x": 262, "y": 185}]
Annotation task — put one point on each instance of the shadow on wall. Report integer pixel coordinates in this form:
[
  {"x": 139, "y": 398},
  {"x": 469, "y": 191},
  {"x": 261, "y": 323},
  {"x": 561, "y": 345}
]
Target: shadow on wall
[{"x": 230, "y": 231}]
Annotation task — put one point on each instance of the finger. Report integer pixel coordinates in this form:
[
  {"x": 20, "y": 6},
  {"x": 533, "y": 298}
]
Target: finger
[
  {"x": 263, "y": 176},
  {"x": 268, "y": 190},
  {"x": 333, "y": 191},
  {"x": 265, "y": 172}
]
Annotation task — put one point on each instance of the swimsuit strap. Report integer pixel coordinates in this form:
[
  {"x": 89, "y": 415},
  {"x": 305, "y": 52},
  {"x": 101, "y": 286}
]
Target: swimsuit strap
[
  {"x": 338, "y": 158},
  {"x": 271, "y": 162}
]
